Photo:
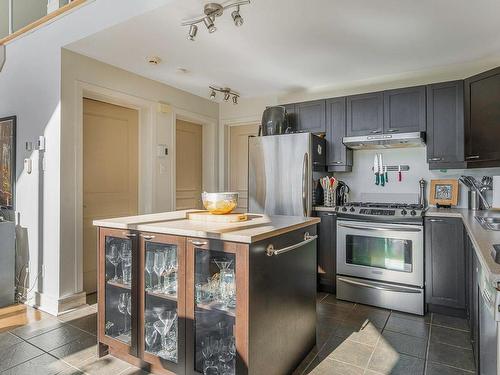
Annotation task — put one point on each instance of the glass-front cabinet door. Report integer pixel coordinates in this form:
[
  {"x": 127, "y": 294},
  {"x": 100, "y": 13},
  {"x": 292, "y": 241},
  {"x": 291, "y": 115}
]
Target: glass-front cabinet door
[
  {"x": 162, "y": 302},
  {"x": 216, "y": 308},
  {"x": 117, "y": 304}
]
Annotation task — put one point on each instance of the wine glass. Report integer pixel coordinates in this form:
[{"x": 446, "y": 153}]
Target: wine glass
[
  {"x": 150, "y": 335},
  {"x": 129, "y": 307},
  {"x": 225, "y": 355},
  {"x": 113, "y": 256},
  {"x": 149, "y": 268},
  {"x": 159, "y": 267},
  {"x": 226, "y": 285},
  {"x": 126, "y": 256},
  {"x": 122, "y": 308},
  {"x": 163, "y": 327},
  {"x": 171, "y": 268}
]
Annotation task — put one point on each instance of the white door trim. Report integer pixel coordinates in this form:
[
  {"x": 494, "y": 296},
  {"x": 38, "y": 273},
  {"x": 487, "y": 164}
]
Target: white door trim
[
  {"x": 209, "y": 141},
  {"x": 147, "y": 156}
]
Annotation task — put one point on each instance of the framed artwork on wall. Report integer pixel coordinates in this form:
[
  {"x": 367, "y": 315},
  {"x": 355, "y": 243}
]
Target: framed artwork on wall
[
  {"x": 444, "y": 192},
  {"x": 7, "y": 162}
]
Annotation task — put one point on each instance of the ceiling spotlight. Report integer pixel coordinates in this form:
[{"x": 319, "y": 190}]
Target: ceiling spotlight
[
  {"x": 212, "y": 95},
  {"x": 209, "y": 24},
  {"x": 226, "y": 92},
  {"x": 235, "y": 99},
  {"x": 227, "y": 95},
  {"x": 238, "y": 20},
  {"x": 153, "y": 60},
  {"x": 193, "y": 30}
]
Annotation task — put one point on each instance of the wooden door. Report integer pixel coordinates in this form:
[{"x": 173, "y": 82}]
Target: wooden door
[
  {"x": 311, "y": 116},
  {"x": 445, "y": 275},
  {"x": 189, "y": 165},
  {"x": 365, "y": 114},
  {"x": 238, "y": 161},
  {"x": 445, "y": 125},
  {"x": 110, "y": 173},
  {"x": 404, "y": 110}
]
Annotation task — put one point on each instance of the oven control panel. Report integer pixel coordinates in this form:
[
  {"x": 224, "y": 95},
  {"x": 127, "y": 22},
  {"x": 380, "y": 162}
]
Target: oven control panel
[{"x": 376, "y": 211}]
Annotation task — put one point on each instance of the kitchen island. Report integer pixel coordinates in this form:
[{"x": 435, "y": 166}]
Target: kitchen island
[{"x": 183, "y": 296}]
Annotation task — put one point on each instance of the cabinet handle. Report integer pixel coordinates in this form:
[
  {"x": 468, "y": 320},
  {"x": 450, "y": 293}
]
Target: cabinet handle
[
  {"x": 376, "y": 131},
  {"x": 392, "y": 130},
  {"x": 129, "y": 235},
  {"x": 435, "y": 159},
  {"x": 198, "y": 243},
  {"x": 147, "y": 238},
  {"x": 436, "y": 220},
  {"x": 270, "y": 250},
  {"x": 336, "y": 162},
  {"x": 330, "y": 214},
  {"x": 472, "y": 157}
]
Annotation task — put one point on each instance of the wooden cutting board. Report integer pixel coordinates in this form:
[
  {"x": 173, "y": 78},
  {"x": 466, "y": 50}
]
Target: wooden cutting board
[{"x": 208, "y": 217}]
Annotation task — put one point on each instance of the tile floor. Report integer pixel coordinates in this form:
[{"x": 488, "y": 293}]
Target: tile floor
[{"x": 351, "y": 339}]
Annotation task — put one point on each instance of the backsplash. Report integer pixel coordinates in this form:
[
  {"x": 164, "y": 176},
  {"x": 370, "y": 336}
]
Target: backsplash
[{"x": 362, "y": 180}]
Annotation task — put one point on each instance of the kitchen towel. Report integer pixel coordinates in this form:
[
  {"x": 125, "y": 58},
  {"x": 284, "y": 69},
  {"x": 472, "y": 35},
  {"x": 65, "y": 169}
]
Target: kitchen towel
[{"x": 496, "y": 192}]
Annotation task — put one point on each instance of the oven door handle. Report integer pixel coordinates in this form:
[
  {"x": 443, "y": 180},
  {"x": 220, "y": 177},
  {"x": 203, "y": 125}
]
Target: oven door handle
[
  {"x": 381, "y": 229},
  {"x": 397, "y": 289}
]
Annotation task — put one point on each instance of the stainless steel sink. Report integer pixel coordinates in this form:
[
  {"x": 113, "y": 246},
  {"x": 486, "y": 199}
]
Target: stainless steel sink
[{"x": 489, "y": 222}]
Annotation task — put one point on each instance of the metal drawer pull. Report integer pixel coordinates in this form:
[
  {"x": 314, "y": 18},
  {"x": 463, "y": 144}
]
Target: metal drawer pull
[
  {"x": 198, "y": 243},
  {"x": 392, "y": 130},
  {"x": 395, "y": 229},
  {"x": 129, "y": 235},
  {"x": 270, "y": 250},
  {"x": 472, "y": 157},
  {"x": 147, "y": 238},
  {"x": 436, "y": 220},
  {"x": 376, "y": 131},
  {"x": 380, "y": 287},
  {"x": 336, "y": 162},
  {"x": 435, "y": 159}
]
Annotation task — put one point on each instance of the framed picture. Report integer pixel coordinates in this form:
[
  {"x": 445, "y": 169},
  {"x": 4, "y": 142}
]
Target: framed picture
[
  {"x": 7, "y": 162},
  {"x": 444, "y": 192}
]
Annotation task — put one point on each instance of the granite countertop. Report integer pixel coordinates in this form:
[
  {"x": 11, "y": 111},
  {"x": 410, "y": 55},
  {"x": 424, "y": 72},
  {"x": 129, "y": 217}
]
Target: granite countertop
[
  {"x": 256, "y": 228},
  {"x": 482, "y": 239}
]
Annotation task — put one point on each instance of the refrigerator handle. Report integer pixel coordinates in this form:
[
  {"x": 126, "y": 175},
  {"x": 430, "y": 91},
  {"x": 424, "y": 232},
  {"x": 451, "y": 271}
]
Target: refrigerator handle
[{"x": 305, "y": 174}]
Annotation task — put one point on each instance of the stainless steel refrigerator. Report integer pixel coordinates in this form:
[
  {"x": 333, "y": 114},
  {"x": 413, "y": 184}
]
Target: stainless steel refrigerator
[{"x": 280, "y": 173}]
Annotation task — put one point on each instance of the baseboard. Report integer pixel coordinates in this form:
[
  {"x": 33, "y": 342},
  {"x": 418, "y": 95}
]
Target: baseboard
[
  {"x": 444, "y": 310},
  {"x": 56, "y": 306}
]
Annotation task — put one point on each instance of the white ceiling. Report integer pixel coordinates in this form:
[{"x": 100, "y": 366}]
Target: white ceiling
[{"x": 288, "y": 45}]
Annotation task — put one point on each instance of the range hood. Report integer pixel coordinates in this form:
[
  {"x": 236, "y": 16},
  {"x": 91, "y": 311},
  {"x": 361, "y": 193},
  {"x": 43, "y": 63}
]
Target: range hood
[{"x": 376, "y": 141}]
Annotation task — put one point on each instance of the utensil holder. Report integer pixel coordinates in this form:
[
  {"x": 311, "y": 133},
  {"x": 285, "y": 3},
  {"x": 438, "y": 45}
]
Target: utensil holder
[
  {"x": 474, "y": 201},
  {"x": 329, "y": 199}
]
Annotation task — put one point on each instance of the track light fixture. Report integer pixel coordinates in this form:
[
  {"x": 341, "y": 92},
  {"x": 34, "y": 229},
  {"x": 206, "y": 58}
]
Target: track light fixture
[
  {"x": 210, "y": 12},
  {"x": 227, "y": 93}
]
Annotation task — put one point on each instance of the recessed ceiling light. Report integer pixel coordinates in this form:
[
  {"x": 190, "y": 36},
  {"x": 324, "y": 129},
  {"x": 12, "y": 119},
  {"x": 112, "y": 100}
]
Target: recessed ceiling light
[{"x": 153, "y": 60}]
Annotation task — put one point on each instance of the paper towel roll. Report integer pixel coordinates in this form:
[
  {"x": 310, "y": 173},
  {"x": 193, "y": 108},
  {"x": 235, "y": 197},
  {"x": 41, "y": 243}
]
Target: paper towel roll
[{"x": 496, "y": 192}]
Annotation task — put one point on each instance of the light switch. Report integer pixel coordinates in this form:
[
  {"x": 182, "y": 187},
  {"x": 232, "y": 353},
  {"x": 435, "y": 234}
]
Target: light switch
[
  {"x": 162, "y": 151},
  {"x": 28, "y": 166}
]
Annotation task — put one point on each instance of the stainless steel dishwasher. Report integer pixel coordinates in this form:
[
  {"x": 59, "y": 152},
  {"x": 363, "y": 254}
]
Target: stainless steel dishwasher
[{"x": 489, "y": 319}]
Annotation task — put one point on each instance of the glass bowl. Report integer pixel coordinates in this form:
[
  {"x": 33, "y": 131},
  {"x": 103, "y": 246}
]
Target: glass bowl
[{"x": 219, "y": 203}]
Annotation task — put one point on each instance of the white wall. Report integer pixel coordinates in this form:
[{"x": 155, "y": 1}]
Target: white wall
[
  {"x": 156, "y": 186},
  {"x": 30, "y": 85}
]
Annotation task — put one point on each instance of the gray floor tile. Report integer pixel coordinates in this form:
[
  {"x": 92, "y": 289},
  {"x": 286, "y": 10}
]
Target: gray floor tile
[
  {"x": 78, "y": 351},
  {"x": 57, "y": 337},
  {"x": 439, "y": 369},
  {"x": 335, "y": 311},
  {"x": 450, "y": 322},
  {"x": 408, "y": 326},
  {"x": 104, "y": 366},
  {"x": 17, "y": 354},
  {"x": 405, "y": 344},
  {"x": 330, "y": 298},
  {"x": 306, "y": 362},
  {"x": 134, "y": 371},
  {"x": 365, "y": 333},
  {"x": 37, "y": 328},
  {"x": 80, "y": 312},
  {"x": 7, "y": 339},
  {"x": 386, "y": 360},
  {"x": 451, "y": 336},
  {"x": 42, "y": 365},
  {"x": 86, "y": 323},
  {"x": 361, "y": 314},
  {"x": 329, "y": 366},
  {"x": 426, "y": 318},
  {"x": 452, "y": 356},
  {"x": 347, "y": 351}
]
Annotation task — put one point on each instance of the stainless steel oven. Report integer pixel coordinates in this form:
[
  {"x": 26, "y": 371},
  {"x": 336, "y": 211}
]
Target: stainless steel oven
[{"x": 381, "y": 264}]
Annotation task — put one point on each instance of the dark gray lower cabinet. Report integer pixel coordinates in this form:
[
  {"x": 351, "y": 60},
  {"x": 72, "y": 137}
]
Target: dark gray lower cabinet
[
  {"x": 327, "y": 240},
  {"x": 474, "y": 307},
  {"x": 445, "y": 271}
]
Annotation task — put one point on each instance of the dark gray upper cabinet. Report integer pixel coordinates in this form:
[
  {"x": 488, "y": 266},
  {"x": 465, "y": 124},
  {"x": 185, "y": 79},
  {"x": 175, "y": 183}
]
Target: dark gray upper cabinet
[
  {"x": 445, "y": 274},
  {"x": 365, "y": 114},
  {"x": 404, "y": 110},
  {"x": 311, "y": 116},
  {"x": 338, "y": 157},
  {"x": 445, "y": 125},
  {"x": 482, "y": 119},
  {"x": 291, "y": 116},
  {"x": 327, "y": 242}
]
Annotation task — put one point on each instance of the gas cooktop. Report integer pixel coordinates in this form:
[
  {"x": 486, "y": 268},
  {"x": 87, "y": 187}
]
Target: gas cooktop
[{"x": 382, "y": 211}]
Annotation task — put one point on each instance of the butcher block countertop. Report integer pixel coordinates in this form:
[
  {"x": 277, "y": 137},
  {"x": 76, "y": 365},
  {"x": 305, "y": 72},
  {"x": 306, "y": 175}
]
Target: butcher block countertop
[
  {"x": 482, "y": 239},
  {"x": 258, "y": 227}
]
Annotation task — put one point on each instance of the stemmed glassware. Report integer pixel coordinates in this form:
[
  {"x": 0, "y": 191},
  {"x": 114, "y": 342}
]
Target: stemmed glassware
[
  {"x": 225, "y": 354},
  {"x": 126, "y": 256},
  {"x": 150, "y": 335},
  {"x": 163, "y": 326},
  {"x": 159, "y": 267},
  {"x": 114, "y": 257},
  {"x": 226, "y": 282},
  {"x": 171, "y": 271},
  {"x": 123, "y": 302},
  {"x": 149, "y": 268}
]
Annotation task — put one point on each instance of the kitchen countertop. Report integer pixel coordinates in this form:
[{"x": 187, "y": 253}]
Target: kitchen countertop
[
  {"x": 257, "y": 228},
  {"x": 482, "y": 239}
]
